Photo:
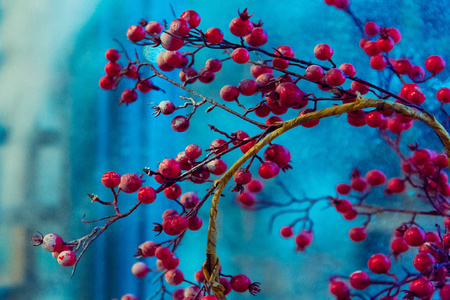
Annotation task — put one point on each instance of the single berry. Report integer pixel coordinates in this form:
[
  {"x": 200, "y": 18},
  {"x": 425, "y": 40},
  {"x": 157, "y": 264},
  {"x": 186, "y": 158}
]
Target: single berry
[
  {"x": 135, "y": 33},
  {"x": 111, "y": 179},
  {"x": 240, "y": 55},
  {"x": 287, "y": 231},
  {"x": 140, "y": 269},
  {"x": 335, "y": 77},
  {"x": 357, "y": 234},
  {"x": 240, "y": 283},
  {"x": 112, "y": 55},
  {"x": 323, "y": 52},
  {"x": 192, "y": 17},
  {"x": 379, "y": 263},
  {"x": 130, "y": 183},
  {"x": 435, "y": 64},
  {"x": 67, "y": 258},
  {"x": 146, "y": 195},
  {"x": 153, "y": 27},
  {"x": 214, "y": 35},
  {"x": 359, "y": 280},
  {"x": 180, "y": 124}
]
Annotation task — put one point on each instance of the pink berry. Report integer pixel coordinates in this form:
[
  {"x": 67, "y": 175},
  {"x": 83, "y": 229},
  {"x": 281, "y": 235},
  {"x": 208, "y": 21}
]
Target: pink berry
[
  {"x": 189, "y": 200},
  {"x": 335, "y": 77},
  {"x": 140, "y": 269},
  {"x": 148, "y": 248},
  {"x": 67, "y": 258},
  {"x": 130, "y": 183},
  {"x": 268, "y": 169},
  {"x": 255, "y": 186},
  {"x": 343, "y": 188},
  {"x": 303, "y": 240},
  {"x": 348, "y": 69},
  {"x": 174, "y": 277},
  {"x": 217, "y": 166},
  {"x": 128, "y": 96},
  {"x": 323, "y": 52},
  {"x": 172, "y": 192},
  {"x": 195, "y": 223},
  {"x": 153, "y": 27},
  {"x": 257, "y": 37},
  {"x": 52, "y": 242},
  {"x": 371, "y": 28},
  {"x": 378, "y": 62},
  {"x": 314, "y": 73}
]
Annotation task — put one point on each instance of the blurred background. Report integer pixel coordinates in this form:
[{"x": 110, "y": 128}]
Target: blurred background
[{"x": 59, "y": 132}]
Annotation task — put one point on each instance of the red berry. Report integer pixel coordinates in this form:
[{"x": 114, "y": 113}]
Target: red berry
[
  {"x": 284, "y": 50},
  {"x": 214, "y": 35},
  {"x": 350, "y": 214},
  {"x": 229, "y": 93},
  {"x": 278, "y": 154},
  {"x": 205, "y": 75},
  {"x": 257, "y": 70},
  {"x": 130, "y": 183},
  {"x": 359, "y": 280},
  {"x": 421, "y": 157},
  {"x": 371, "y": 48},
  {"x": 106, "y": 82},
  {"x": 240, "y": 283},
  {"x": 375, "y": 177},
  {"x": 242, "y": 25},
  {"x": 153, "y": 27},
  {"x": 172, "y": 192},
  {"x": 414, "y": 236},
  {"x": 169, "y": 167},
  {"x": 374, "y": 119},
  {"x": 179, "y": 27},
  {"x": 423, "y": 261},
  {"x": 395, "y": 34},
  {"x": 135, "y": 33},
  {"x": 242, "y": 176},
  {"x": 359, "y": 184},
  {"x": 174, "y": 277},
  {"x": 145, "y": 86},
  {"x": 287, "y": 231},
  {"x": 399, "y": 245},
  {"x": 217, "y": 166},
  {"x": 357, "y": 234},
  {"x": 257, "y": 37},
  {"x": 192, "y": 17},
  {"x": 343, "y": 188},
  {"x": 247, "y": 199},
  {"x": 180, "y": 124},
  {"x": 129, "y": 297},
  {"x": 323, "y": 52},
  {"x": 240, "y": 55},
  {"x": 247, "y": 87},
  {"x": 339, "y": 289},
  {"x": 52, "y": 242},
  {"x": 218, "y": 146},
  {"x": 303, "y": 240},
  {"x": 371, "y": 28},
  {"x": 195, "y": 223},
  {"x": 170, "y": 42},
  {"x": 435, "y": 64},
  {"x": 290, "y": 94},
  {"x": 379, "y": 263},
  {"x": 421, "y": 288},
  {"x": 378, "y": 62},
  {"x": 402, "y": 66},
  {"x": 342, "y": 205},
  {"x": 396, "y": 185},
  {"x": 128, "y": 96},
  {"x": 268, "y": 169},
  {"x": 273, "y": 120},
  {"x": 348, "y": 69},
  {"x": 443, "y": 95},
  {"x": 112, "y": 55},
  {"x": 255, "y": 186},
  {"x": 335, "y": 77},
  {"x": 314, "y": 73},
  {"x": 111, "y": 179},
  {"x": 385, "y": 44},
  {"x": 112, "y": 69},
  {"x": 417, "y": 73},
  {"x": 146, "y": 195},
  {"x": 179, "y": 223},
  {"x": 213, "y": 65},
  {"x": 444, "y": 292}
]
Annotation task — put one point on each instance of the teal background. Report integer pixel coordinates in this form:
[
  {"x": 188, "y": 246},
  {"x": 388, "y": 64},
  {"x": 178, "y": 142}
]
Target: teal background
[{"x": 59, "y": 133}]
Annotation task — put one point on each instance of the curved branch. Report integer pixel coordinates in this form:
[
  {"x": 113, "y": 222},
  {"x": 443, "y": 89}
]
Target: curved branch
[{"x": 212, "y": 263}]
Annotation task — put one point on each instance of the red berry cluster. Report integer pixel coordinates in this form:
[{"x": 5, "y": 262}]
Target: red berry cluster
[{"x": 52, "y": 242}]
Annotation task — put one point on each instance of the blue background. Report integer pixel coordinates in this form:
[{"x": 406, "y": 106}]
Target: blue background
[{"x": 59, "y": 132}]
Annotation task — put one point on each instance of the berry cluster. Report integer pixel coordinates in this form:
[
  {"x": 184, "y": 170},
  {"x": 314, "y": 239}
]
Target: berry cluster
[{"x": 272, "y": 92}]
